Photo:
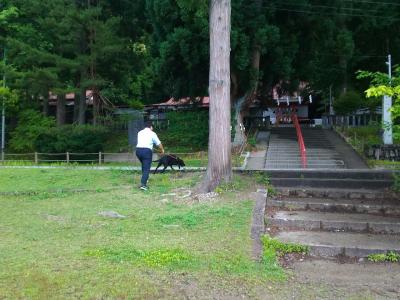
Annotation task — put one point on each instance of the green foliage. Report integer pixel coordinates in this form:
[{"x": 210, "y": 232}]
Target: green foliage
[
  {"x": 10, "y": 98},
  {"x": 72, "y": 138},
  {"x": 380, "y": 86},
  {"x": 187, "y": 131},
  {"x": 396, "y": 184},
  {"x": 367, "y": 135},
  {"x": 384, "y": 257},
  {"x": 136, "y": 104},
  {"x": 348, "y": 103},
  {"x": 30, "y": 125},
  {"x": 262, "y": 177},
  {"x": 252, "y": 141},
  {"x": 273, "y": 247}
]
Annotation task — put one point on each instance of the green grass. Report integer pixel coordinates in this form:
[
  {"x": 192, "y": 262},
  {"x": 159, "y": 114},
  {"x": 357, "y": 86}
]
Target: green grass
[
  {"x": 52, "y": 180},
  {"x": 361, "y": 137},
  {"x": 54, "y": 245}
]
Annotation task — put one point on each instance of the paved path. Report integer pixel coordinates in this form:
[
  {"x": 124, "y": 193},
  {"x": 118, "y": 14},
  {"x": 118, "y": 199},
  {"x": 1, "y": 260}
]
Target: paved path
[{"x": 256, "y": 159}]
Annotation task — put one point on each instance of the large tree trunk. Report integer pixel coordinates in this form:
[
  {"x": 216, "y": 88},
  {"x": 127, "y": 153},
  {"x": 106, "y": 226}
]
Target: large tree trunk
[
  {"x": 61, "y": 110},
  {"x": 219, "y": 144}
]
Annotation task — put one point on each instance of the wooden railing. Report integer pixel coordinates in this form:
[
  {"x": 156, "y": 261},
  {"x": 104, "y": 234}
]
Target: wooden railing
[
  {"x": 191, "y": 159},
  {"x": 300, "y": 139}
]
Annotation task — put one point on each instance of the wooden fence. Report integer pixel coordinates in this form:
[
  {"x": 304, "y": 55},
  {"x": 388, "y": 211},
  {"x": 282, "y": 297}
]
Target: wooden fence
[
  {"x": 195, "y": 159},
  {"x": 355, "y": 120}
]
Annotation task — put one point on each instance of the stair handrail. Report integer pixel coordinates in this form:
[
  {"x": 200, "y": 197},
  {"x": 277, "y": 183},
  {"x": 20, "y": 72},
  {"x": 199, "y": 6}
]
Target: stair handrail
[{"x": 300, "y": 139}]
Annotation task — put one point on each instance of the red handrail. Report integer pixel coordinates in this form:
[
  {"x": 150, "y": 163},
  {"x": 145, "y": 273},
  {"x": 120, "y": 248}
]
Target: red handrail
[{"x": 302, "y": 147}]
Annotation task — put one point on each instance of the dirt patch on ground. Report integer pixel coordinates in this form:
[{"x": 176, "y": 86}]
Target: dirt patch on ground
[{"x": 378, "y": 281}]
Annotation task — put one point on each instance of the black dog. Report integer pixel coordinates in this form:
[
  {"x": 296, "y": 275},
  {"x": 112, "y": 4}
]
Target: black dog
[{"x": 169, "y": 160}]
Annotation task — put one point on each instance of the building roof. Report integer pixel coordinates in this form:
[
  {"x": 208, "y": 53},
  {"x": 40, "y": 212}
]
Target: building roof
[
  {"x": 188, "y": 101},
  {"x": 70, "y": 98}
]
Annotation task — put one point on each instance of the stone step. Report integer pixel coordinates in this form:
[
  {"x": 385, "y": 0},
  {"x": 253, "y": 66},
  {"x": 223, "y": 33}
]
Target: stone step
[
  {"x": 310, "y": 160},
  {"x": 333, "y": 193},
  {"x": 341, "y": 174},
  {"x": 328, "y": 244},
  {"x": 380, "y": 206},
  {"x": 271, "y": 165},
  {"x": 334, "y": 174},
  {"x": 306, "y": 220},
  {"x": 332, "y": 183}
]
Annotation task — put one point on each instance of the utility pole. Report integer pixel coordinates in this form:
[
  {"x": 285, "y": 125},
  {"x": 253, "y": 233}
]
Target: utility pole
[
  {"x": 386, "y": 110},
  {"x": 3, "y": 114}
]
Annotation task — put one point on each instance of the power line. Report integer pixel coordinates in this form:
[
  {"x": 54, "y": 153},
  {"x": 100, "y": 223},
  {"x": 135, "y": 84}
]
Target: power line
[
  {"x": 374, "y": 2},
  {"x": 336, "y": 55},
  {"x": 333, "y": 14},
  {"x": 367, "y": 2},
  {"x": 352, "y": 11},
  {"x": 329, "y": 7}
]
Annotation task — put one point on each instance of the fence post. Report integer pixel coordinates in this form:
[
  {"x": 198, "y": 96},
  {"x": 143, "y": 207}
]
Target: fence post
[
  {"x": 99, "y": 158},
  {"x": 36, "y": 158},
  {"x": 2, "y": 156},
  {"x": 67, "y": 157}
]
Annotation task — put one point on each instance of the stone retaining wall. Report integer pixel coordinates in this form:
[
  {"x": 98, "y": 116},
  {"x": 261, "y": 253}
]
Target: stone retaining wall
[{"x": 383, "y": 152}]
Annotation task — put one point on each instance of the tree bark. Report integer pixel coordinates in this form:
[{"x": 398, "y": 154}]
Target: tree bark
[
  {"x": 61, "y": 110},
  {"x": 219, "y": 144}
]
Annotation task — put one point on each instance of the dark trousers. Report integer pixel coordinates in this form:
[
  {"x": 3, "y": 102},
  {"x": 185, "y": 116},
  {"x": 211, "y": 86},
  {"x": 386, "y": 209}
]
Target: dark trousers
[{"x": 145, "y": 155}]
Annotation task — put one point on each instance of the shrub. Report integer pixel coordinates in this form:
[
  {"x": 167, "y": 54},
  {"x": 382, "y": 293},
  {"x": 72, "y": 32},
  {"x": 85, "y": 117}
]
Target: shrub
[
  {"x": 382, "y": 257},
  {"x": 30, "y": 125},
  {"x": 187, "y": 131},
  {"x": 72, "y": 138},
  {"x": 272, "y": 245},
  {"x": 348, "y": 102}
]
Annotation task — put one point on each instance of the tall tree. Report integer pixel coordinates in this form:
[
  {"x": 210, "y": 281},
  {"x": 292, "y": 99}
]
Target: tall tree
[{"x": 219, "y": 144}]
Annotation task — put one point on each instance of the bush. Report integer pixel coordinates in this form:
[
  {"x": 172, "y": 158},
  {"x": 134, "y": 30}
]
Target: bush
[
  {"x": 187, "y": 131},
  {"x": 30, "y": 125},
  {"x": 348, "y": 102},
  {"x": 72, "y": 138}
]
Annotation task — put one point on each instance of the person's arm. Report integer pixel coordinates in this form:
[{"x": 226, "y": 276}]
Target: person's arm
[
  {"x": 157, "y": 142},
  {"x": 161, "y": 148}
]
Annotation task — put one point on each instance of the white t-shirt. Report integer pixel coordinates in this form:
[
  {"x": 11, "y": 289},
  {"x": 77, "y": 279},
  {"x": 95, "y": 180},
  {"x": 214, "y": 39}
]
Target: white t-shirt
[{"x": 147, "y": 138}]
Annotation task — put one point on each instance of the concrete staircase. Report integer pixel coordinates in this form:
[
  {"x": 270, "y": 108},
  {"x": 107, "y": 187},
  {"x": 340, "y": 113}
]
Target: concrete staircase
[
  {"x": 283, "y": 150},
  {"x": 336, "y": 213}
]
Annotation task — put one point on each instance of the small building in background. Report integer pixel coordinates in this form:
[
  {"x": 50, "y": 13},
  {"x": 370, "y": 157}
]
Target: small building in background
[{"x": 157, "y": 112}]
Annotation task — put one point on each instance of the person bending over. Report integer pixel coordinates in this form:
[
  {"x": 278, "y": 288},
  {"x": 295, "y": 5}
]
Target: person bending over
[{"x": 147, "y": 138}]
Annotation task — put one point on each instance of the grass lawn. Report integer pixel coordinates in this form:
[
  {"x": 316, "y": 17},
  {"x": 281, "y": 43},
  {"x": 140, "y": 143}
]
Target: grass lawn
[{"x": 55, "y": 245}]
